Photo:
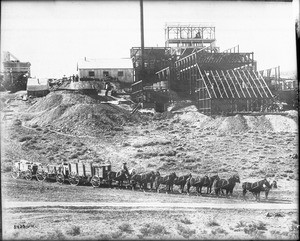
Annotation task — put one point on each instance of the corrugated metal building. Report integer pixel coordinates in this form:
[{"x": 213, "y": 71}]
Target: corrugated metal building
[
  {"x": 37, "y": 87},
  {"x": 121, "y": 69}
]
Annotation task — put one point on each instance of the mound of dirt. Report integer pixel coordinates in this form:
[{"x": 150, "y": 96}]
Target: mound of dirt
[
  {"x": 238, "y": 123},
  {"x": 282, "y": 123},
  {"x": 78, "y": 114}
]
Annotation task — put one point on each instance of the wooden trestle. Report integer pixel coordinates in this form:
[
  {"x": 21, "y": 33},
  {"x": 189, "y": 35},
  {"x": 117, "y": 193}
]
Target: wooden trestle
[{"x": 222, "y": 82}]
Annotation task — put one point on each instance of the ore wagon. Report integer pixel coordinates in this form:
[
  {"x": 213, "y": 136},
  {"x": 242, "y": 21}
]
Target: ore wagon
[
  {"x": 80, "y": 173},
  {"x": 100, "y": 174},
  {"x": 28, "y": 170}
]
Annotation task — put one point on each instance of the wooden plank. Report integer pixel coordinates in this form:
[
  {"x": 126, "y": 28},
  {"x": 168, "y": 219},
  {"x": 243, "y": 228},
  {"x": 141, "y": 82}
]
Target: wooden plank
[
  {"x": 81, "y": 171},
  {"x": 216, "y": 84},
  {"x": 260, "y": 76},
  {"x": 260, "y": 84},
  {"x": 74, "y": 168},
  {"x": 88, "y": 169},
  {"x": 249, "y": 83},
  {"x": 244, "y": 81},
  {"x": 212, "y": 87},
  {"x": 203, "y": 80},
  {"x": 238, "y": 83},
  {"x": 233, "y": 84},
  {"x": 227, "y": 84},
  {"x": 222, "y": 84},
  {"x": 255, "y": 83}
]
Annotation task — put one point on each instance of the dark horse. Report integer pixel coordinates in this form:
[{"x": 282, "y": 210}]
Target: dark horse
[
  {"x": 181, "y": 181},
  {"x": 143, "y": 179},
  {"x": 120, "y": 177},
  {"x": 228, "y": 185},
  {"x": 197, "y": 182},
  {"x": 166, "y": 180},
  {"x": 210, "y": 183},
  {"x": 256, "y": 187}
]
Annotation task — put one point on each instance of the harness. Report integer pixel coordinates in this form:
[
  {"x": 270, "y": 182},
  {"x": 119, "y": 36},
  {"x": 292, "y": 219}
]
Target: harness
[
  {"x": 226, "y": 184},
  {"x": 255, "y": 186}
]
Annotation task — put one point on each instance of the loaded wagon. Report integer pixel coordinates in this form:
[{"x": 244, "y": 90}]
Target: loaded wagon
[
  {"x": 80, "y": 173},
  {"x": 28, "y": 170},
  {"x": 62, "y": 172},
  {"x": 100, "y": 174}
]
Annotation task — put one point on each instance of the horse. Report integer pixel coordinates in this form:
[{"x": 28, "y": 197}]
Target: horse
[
  {"x": 119, "y": 176},
  {"x": 197, "y": 182},
  {"x": 267, "y": 190},
  {"x": 166, "y": 180},
  {"x": 228, "y": 185},
  {"x": 256, "y": 187},
  {"x": 181, "y": 181},
  {"x": 143, "y": 179},
  {"x": 210, "y": 183}
]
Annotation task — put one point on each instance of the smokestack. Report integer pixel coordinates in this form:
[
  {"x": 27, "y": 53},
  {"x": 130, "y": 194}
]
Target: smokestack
[{"x": 142, "y": 32}]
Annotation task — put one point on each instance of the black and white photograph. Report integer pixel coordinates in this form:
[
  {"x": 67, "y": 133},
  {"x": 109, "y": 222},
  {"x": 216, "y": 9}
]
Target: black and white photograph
[{"x": 149, "y": 120}]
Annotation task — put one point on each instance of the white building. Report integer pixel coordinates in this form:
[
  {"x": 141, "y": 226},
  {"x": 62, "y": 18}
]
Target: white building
[{"x": 122, "y": 69}]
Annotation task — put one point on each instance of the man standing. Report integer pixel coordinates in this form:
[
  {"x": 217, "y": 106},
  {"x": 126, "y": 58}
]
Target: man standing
[{"x": 125, "y": 169}]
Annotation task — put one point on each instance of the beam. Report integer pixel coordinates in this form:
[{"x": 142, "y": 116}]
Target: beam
[
  {"x": 254, "y": 83},
  {"x": 260, "y": 84},
  {"x": 245, "y": 83},
  {"x": 222, "y": 84},
  {"x": 227, "y": 84},
  {"x": 266, "y": 85},
  {"x": 216, "y": 83},
  {"x": 212, "y": 87},
  {"x": 233, "y": 84},
  {"x": 249, "y": 83},
  {"x": 203, "y": 80},
  {"x": 238, "y": 83}
]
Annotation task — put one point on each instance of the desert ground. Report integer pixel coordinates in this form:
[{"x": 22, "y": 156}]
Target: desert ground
[{"x": 73, "y": 127}]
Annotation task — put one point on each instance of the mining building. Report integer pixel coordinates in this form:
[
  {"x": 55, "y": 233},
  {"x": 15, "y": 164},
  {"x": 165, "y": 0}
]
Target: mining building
[
  {"x": 16, "y": 73},
  {"x": 192, "y": 66}
]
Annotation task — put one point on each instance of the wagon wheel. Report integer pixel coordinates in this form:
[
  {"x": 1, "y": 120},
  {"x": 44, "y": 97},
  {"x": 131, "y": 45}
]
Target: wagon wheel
[
  {"x": 60, "y": 178},
  {"x": 28, "y": 175},
  {"x": 74, "y": 180},
  {"x": 41, "y": 175},
  {"x": 95, "y": 181},
  {"x": 15, "y": 174}
]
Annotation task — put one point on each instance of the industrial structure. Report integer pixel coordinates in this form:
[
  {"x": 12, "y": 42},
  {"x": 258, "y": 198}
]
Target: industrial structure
[
  {"x": 192, "y": 66},
  {"x": 16, "y": 73}
]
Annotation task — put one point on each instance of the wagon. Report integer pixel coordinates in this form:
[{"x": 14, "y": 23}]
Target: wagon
[
  {"x": 49, "y": 172},
  {"x": 100, "y": 174},
  {"x": 62, "y": 172},
  {"x": 28, "y": 170},
  {"x": 80, "y": 173}
]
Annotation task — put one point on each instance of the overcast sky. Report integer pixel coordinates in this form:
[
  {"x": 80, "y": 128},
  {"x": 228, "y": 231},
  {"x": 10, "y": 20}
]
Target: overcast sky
[{"x": 54, "y": 35}]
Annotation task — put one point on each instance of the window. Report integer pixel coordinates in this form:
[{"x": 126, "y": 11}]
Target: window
[
  {"x": 91, "y": 73},
  {"x": 105, "y": 73},
  {"x": 120, "y": 73}
]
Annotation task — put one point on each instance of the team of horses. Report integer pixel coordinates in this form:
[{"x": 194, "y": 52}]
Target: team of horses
[{"x": 154, "y": 180}]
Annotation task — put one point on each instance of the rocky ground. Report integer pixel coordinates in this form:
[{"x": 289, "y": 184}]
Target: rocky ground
[{"x": 68, "y": 126}]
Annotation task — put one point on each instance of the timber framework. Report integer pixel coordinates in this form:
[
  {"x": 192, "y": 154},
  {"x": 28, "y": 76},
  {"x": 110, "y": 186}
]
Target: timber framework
[{"x": 192, "y": 66}]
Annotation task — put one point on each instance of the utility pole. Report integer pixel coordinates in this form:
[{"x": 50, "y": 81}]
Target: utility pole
[{"x": 142, "y": 34}]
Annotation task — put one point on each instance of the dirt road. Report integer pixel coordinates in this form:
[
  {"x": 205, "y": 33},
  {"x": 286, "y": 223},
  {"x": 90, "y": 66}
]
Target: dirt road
[{"x": 154, "y": 205}]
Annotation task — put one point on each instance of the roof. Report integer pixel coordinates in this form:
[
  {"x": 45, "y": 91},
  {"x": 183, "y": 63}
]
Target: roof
[
  {"x": 105, "y": 64},
  {"x": 37, "y": 84}
]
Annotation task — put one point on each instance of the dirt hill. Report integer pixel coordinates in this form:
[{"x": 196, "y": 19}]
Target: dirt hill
[{"x": 78, "y": 114}]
